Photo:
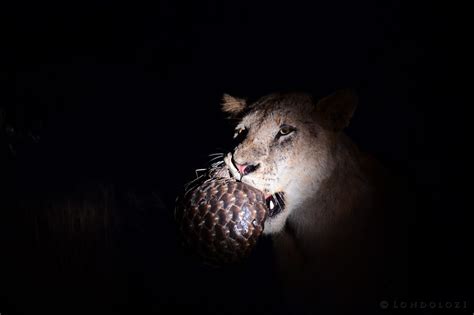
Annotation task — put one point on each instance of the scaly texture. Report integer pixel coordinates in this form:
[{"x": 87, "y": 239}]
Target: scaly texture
[{"x": 222, "y": 219}]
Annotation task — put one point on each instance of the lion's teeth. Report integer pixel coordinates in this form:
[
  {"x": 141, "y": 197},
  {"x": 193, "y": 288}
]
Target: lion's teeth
[{"x": 271, "y": 205}]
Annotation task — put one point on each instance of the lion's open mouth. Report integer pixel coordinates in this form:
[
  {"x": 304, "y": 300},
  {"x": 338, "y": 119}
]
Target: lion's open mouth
[{"x": 275, "y": 203}]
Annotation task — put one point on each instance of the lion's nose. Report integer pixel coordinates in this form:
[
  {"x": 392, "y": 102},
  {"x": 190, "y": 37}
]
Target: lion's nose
[{"x": 246, "y": 168}]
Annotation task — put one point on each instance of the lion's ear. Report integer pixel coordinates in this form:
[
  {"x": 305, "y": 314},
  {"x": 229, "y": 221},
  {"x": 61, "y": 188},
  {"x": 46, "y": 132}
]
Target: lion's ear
[
  {"x": 233, "y": 105},
  {"x": 336, "y": 110}
]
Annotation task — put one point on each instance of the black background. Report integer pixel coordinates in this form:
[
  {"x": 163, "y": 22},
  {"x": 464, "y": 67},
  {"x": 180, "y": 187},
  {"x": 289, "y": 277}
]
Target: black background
[{"x": 129, "y": 95}]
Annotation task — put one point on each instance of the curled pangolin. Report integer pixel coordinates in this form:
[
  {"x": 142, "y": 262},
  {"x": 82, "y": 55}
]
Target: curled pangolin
[{"x": 221, "y": 218}]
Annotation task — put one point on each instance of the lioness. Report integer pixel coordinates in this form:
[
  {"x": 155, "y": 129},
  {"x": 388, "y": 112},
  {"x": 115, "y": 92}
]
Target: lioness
[{"x": 324, "y": 195}]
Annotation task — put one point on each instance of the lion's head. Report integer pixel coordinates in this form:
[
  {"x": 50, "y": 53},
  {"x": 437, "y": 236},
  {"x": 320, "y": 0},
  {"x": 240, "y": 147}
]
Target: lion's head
[{"x": 285, "y": 147}]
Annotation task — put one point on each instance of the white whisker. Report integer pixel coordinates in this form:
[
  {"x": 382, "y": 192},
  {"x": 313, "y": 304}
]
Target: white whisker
[
  {"x": 217, "y": 163},
  {"x": 215, "y": 158},
  {"x": 199, "y": 170},
  {"x": 192, "y": 182},
  {"x": 218, "y": 154}
]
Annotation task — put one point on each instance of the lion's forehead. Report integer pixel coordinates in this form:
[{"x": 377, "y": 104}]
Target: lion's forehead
[{"x": 275, "y": 116}]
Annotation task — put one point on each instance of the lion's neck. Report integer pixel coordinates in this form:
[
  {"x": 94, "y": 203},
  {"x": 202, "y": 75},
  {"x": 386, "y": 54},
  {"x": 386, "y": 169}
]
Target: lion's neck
[
  {"x": 336, "y": 208},
  {"x": 328, "y": 242}
]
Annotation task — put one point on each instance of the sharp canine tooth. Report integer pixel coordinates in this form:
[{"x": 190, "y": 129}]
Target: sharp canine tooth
[{"x": 271, "y": 204}]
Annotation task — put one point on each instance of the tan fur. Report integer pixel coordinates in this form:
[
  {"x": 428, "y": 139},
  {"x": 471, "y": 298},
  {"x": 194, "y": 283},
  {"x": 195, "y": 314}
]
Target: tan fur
[{"x": 328, "y": 233}]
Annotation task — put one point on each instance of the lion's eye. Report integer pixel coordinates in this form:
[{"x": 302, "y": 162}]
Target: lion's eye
[{"x": 285, "y": 130}]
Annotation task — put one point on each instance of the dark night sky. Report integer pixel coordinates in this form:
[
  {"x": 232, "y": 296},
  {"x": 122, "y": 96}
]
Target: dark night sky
[
  {"x": 136, "y": 76},
  {"x": 129, "y": 93}
]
